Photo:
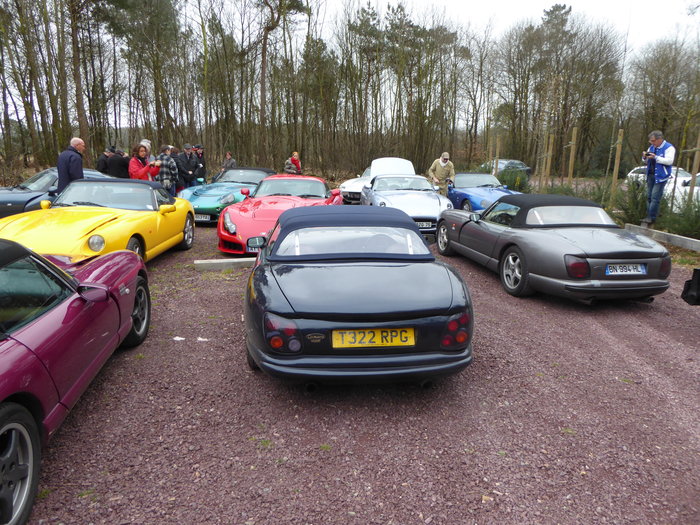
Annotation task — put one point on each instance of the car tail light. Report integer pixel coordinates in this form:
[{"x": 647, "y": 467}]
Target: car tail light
[
  {"x": 665, "y": 269},
  {"x": 577, "y": 267},
  {"x": 456, "y": 334},
  {"x": 282, "y": 335}
]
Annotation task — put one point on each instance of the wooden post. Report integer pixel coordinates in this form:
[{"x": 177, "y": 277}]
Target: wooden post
[
  {"x": 616, "y": 169},
  {"x": 572, "y": 156},
  {"x": 548, "y": 159},
  {"x": 694, "y": 171},
  {"x": 498, "y": 152}
]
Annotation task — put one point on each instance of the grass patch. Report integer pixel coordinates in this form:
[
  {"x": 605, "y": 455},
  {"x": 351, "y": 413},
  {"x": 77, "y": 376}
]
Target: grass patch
[{"x": 325, "y": 447}]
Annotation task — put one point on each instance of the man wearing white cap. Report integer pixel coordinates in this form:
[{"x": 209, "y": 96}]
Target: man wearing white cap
[{"x": 441, "y": 170}]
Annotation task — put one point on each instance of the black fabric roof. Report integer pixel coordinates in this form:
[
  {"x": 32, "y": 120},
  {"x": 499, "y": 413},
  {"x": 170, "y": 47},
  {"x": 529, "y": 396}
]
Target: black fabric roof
[
  {"x": 11, "y": 251},
  {"x": 528, "y": 201},
  {"x": 315, "y": 216}
]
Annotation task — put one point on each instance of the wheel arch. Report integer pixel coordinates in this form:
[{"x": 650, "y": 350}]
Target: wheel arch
[
  {"x": 141, "y": 239},
  {"x": 32, "y": 404}
]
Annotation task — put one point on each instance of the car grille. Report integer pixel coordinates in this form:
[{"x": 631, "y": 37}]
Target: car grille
[
  {"x": 354, "y": 195},
  {"x": 423, "y": 221},
  {"x": 235, "y": 246}
]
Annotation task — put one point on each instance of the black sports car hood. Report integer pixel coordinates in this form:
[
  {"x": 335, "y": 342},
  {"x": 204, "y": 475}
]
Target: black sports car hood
[{"x": 366, "y": 288}]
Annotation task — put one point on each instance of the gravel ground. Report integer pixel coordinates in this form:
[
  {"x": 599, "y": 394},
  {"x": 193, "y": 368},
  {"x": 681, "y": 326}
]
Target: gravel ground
[{"x": 569, "y": 414}]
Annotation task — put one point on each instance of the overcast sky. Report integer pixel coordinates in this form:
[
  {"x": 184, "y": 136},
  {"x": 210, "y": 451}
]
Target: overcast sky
[{"x": 639, "y": 20}]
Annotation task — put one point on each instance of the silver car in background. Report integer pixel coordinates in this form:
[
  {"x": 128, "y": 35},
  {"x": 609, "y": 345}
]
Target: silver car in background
[{"x": 412, "y": 194}]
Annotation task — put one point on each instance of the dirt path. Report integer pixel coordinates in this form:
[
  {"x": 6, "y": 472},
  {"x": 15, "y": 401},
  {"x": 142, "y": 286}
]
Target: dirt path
[{"x": 569, "y": 414}]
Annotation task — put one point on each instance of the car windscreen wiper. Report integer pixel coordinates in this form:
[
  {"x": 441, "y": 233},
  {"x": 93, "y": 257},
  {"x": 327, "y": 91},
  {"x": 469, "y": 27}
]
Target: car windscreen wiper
[
  {"x": 276, "y": 195},
  {"x": 311, "y": 196},
  {"x": 87, "y": 203}
]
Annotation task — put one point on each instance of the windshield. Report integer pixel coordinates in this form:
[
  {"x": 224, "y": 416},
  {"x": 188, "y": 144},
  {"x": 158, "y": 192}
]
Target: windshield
[
  {"x": 124, "y": 196},
  {"x": 351, "y": 240},
  {"x": 473, "y": 180},
  {"x": 402, "y": 183},
  {"x": 42, "y": 181},
  {"x": 297, "y": 187},
  {"x": 568, "y": 215},
  {"x": 242, "y": 176}
]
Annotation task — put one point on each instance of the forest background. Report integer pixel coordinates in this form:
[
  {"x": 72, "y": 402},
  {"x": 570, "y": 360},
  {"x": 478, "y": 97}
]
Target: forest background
[{"x": 262, "y": 78}]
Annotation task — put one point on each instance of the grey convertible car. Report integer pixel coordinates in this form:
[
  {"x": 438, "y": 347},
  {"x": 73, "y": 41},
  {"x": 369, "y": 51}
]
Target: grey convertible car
[
  {"x": 558, "y": 245},
  {"x": 412, "y": 194}
]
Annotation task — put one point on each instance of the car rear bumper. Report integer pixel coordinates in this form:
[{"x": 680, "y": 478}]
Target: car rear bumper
[
  {"x": 597, "y": 289},
  {"x": 335, "y": 369}
]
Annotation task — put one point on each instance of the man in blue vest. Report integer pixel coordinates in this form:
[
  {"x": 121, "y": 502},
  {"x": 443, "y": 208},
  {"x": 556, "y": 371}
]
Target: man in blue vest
[{"x": 659, "y": 159}]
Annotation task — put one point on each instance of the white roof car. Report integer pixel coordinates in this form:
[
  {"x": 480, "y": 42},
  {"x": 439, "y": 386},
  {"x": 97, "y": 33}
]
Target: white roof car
[
  {"x": 639, "y": 175},
  {"x": 351, "y": 189}
]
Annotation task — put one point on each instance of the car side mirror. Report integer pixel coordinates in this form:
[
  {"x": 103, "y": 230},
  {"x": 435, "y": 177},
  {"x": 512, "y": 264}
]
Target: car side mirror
[
  {"x": 201, "y": 180},
  {"x": 93, "y": 293},
  {"x": 436, "y": 187},
  {"x": 685, "y": 183},
  {"x": 257, "y": 242},
  {"x": 45, "y": 205},
  {"x": 166, "y": 208},
  {"x": 474, "y": 217},
  {"x": 245, "y": 192},
  {"x": 505, "y": 186},
  {"x": 335, "y": 192}
]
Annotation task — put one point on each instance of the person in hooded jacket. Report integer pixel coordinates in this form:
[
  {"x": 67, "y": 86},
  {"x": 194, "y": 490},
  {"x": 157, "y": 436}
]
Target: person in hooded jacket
[{"x": 139, "y": 165}]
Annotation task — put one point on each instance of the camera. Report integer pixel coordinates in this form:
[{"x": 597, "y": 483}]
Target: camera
[{"x": 646, "y": 153}]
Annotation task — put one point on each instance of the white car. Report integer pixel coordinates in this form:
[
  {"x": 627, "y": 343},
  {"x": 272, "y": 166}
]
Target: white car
[
  {"x": 638, "y": 176},
  {"x": 680, "y": 196},
  {"x": 351, "y": 189}
]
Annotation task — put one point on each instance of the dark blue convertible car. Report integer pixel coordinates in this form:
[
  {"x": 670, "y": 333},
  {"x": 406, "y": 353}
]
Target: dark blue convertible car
[
  {"x": 475, "y": 191},
  {"x": 303, "y": 326}
]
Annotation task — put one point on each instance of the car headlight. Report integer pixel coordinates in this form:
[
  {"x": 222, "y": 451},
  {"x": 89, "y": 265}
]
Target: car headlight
[
  {"x": 228, "y": 199},
  {"x": 342, "y": 187},
  {"x": 449, "y": 205},
  {"x": 230, "y": 225},
  {"x": 96, "y": 243},
  {"x": 382, "y": 203}
]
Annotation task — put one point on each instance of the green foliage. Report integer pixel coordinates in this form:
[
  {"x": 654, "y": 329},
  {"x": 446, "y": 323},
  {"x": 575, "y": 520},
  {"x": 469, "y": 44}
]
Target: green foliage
[
  {"x": 515, "y": 180},
  {"x": 685, "y": 221},
  {"x": 631, "y": 205}
]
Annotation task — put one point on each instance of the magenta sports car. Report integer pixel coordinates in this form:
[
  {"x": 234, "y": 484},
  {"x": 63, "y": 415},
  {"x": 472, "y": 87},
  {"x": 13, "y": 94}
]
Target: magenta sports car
[{"x": 59, "y": 323}]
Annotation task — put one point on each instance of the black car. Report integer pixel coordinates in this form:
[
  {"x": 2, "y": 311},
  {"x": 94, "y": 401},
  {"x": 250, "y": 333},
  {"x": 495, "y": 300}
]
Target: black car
[
  {"x": 42, "y": 186},
  {"x": 405, "y": 316}
]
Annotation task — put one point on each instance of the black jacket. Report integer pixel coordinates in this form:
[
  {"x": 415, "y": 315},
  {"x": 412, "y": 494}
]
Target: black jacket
[
  {"x": 118, "y": 166},
  {"x": 186, "y": 165}
]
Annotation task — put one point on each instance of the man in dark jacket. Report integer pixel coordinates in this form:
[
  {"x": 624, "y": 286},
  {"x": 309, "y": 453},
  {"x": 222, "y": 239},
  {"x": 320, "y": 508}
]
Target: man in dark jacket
[
  {"x": 70, "y": 163},
  {"x": 188, "y": 165},
  {"x": 118, "y": 165},
  {"x": 201, "y": 171},
  {"x": 103, "y": 160}
]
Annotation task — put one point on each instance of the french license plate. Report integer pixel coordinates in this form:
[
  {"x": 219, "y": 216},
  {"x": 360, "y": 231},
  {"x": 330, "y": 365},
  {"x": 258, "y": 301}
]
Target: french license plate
[
  {"x": 626, "y": 269},
  {"x": 372, "y": 337},
  {"x": 424, "y": 224},
  {"x": 201, "y": 217}
]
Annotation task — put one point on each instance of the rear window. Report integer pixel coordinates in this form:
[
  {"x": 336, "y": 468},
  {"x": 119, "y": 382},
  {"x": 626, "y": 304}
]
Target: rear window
[
  {"x": 568, "y": 215},
  {"x": 351, "y": 240}
]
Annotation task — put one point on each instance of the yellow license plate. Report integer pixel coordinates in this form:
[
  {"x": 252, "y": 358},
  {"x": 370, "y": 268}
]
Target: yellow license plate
[{"x": 372, "y": 337}]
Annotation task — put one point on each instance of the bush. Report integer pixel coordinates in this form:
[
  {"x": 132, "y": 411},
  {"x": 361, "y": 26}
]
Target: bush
[
  {"x": 684, "y": 221},
  {"x": 515, "y": 180}
]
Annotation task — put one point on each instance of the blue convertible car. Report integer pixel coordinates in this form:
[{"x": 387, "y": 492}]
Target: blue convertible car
[{"x": 475, "y": 191}]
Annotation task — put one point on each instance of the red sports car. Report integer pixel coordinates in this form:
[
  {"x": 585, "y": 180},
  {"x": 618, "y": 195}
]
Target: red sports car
[
  {"x": 258, "y": 213},
  {"x": 59, "y": 323}
]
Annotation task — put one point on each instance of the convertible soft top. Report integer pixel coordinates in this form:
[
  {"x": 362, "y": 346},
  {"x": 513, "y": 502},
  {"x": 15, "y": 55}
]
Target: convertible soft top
[
  {"x": 11, "y": 251},
  {"x": 353, "y": 216},
  {"x": 528, "y": 201}
]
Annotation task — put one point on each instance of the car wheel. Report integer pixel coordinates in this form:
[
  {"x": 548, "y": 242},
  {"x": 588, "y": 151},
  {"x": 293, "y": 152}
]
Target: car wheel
[
  {"x": 466, "y": 205},
  {"x": 140, "y": 315},
  {"x": 514, "y": 274},
  {"x": 443, "y": 241},
  {"x": 188, "y": 234},
  {"x": 20, "y": 460},
  {"x": 135, "y": 246},
  {"x": 251, "y": 362}
]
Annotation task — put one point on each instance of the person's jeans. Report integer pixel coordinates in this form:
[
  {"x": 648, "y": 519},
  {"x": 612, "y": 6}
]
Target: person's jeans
[{"x": 655, "y": 190}]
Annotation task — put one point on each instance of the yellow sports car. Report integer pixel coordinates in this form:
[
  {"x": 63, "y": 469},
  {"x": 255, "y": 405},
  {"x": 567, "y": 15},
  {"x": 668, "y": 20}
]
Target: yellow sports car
[{"x": 94, "y": 217}]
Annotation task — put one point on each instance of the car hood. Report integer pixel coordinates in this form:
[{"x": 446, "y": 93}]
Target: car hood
[
  {"x": 256, "y": 216},
  {"x": 217, "y": 190},
  {"x": 610, "y": 242},
  {"x": 13, "y": 200},
  {"x": 415, "y": 203},
  {"x": 487, "y": 193},
  {"x": 354, "y": 185},
  {"x": 58, "y": 230},
  {"x": 377, "y": 288}
]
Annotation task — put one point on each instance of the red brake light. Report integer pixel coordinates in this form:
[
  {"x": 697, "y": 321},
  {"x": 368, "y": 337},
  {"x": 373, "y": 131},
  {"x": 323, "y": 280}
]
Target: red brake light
[
  {"x": 577, "y": 267},
  {"x": 452, "y": 325},
  {"x": 456, "y": 333},
  {"x": 665, "y": 269},
  {"x": 281, "y": 334}
]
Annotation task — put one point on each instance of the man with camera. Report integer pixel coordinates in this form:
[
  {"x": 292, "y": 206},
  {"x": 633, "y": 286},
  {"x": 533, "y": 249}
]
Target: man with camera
[{"x": 658, "y": 159}]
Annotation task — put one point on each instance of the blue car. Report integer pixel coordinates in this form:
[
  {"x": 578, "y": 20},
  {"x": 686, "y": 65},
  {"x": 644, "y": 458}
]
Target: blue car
[
  {"x": 475, "y": 191},
  {"x": 225, "y": 188},
  {"x": 27, "y": 195}
]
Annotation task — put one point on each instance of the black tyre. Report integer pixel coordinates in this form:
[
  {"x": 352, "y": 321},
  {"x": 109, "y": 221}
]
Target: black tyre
[
  {"x": 443, "y": 240},
  {"x": 135, "y": 246},
  {"x": 20, "y": 460},
  {"x": 140, "y": 315},
  {"x": 251, "y": 362},
  {"x": 513, "y": 272},
  {"x": 188, "y": 234},
  {"x": 466, "y": 205}
]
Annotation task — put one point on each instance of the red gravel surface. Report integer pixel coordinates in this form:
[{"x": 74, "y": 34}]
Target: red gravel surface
[{"x": 569, "y": 414}]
